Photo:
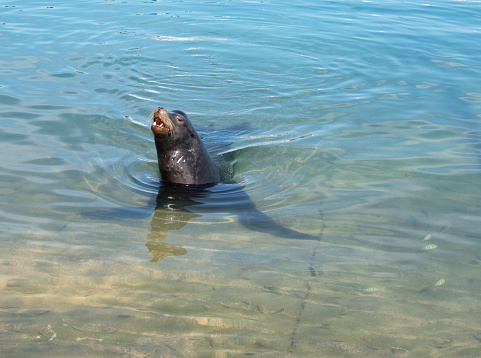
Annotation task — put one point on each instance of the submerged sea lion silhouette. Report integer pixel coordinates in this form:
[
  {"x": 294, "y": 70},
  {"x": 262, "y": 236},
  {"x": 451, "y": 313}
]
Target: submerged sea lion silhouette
[{"x": 191, "y": 179}]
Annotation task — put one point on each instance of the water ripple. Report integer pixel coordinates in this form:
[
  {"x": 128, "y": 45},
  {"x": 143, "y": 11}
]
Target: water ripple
[{"x": 355, "y": 122}]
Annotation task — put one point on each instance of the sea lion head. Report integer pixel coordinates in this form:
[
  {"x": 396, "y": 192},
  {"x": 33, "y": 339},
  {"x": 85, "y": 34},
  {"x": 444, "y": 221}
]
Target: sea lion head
[
  {"x": 170, "y": 124},
  {"x": 182, "y": 157}
]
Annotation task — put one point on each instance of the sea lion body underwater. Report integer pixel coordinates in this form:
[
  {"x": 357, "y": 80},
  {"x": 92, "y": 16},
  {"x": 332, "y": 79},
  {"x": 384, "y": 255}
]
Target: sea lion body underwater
[{"x": 187, "y": 171}]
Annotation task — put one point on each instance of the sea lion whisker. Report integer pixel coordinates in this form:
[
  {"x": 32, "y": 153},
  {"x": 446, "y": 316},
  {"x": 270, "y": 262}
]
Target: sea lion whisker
[{"x": 151, "y": 117}]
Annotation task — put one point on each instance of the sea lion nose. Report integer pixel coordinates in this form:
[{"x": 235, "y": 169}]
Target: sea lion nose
[{"x": 161, "y": 111}]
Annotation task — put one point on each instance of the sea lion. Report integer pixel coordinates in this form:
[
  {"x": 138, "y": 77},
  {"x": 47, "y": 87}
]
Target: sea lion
[
  {"x": 191, "y": 188},
  {"x": 183, "y": 158},
  {"x": 188, "y": 175}
]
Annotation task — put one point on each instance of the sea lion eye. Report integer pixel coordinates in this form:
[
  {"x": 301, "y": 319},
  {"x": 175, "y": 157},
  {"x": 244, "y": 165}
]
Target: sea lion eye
[{"x": 179, "y": 118}]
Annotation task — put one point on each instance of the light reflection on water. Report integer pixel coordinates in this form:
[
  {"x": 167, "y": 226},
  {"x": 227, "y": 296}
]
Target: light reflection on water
[{"x": 352, "y": 130}]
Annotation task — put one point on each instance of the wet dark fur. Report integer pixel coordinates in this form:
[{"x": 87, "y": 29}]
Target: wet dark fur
[{"x": 183, "y": 158}]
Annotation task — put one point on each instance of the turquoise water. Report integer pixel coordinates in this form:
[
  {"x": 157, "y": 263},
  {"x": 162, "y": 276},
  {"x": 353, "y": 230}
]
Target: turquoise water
[{"x": 360, "y": 127}]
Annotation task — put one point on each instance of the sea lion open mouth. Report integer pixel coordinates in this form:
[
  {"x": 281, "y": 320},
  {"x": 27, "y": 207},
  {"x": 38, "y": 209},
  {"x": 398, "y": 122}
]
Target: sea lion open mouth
[{"x": 162, "y": 124}]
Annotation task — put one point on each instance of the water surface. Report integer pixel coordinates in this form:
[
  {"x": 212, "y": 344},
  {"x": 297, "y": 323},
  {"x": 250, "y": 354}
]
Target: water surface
[{"x": 354, "y": 122}]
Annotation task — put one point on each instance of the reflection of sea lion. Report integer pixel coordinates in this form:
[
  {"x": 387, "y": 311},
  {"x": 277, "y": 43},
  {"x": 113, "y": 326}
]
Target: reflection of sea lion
[
  {"x": 182, "y": 156},
  {"x": 171, "y": 213}
]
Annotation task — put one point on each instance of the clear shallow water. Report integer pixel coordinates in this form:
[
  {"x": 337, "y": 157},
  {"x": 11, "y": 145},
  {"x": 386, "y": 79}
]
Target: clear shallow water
[{"x": 363, "y": 129}]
